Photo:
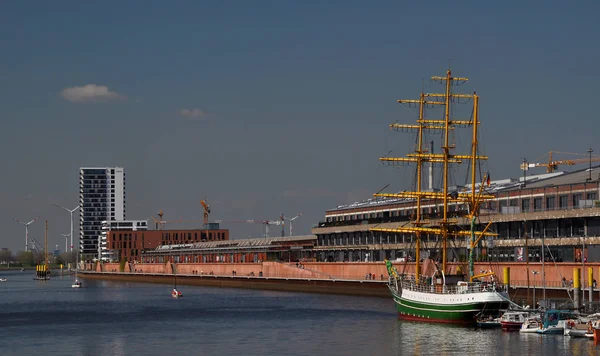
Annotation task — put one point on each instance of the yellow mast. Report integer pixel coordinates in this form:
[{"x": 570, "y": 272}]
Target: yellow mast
[
  {"x": 447, "y": 124},
  {"x": 46, "y": 246},
  {"x": 417, "y": 221},
  {"x": 446, "y": 148},
  {"x": 474, "y": 148}
]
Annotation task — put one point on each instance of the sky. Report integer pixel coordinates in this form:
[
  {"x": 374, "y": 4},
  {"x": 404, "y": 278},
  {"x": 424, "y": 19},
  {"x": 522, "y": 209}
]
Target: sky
[{"x": 270, "y": 107}]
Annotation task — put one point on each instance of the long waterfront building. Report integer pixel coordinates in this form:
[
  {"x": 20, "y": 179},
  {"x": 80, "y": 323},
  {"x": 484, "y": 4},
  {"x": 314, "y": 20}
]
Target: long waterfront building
[
  {"x": 558, "y": 210},
  {"x": 101, "y": 198}
]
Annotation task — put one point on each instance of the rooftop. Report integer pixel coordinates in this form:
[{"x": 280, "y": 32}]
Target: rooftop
[
  {"x": 533, "y": 181},
  {"x": 258, "y": 242}
]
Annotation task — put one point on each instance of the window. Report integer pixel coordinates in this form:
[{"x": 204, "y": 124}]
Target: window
[
  {"x": 550, "y": 203},
  {"x": 563, "y": 201},
  {"x": 525, "y": 205},
  {"x": 537, "y": 204},
  {"x": 576, "y": 199},
  {"x": 592, "y": 196}
]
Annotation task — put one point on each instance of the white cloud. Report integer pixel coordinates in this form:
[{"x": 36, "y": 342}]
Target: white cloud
[
  {"x": 89, "y": 92},
  {"x": 191, "y": 113}
]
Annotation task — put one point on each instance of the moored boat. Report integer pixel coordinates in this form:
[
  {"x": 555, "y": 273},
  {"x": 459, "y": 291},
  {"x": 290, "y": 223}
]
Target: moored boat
[
  {"x": 531, "y": 324},
  {"x": 553, "y": 321},
  {"x": 488, "y": 322},
  {"x": 513, "y": 320}
]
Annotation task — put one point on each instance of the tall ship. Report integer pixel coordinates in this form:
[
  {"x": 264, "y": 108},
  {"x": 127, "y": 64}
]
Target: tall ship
[{"x": 432, "y": 292}]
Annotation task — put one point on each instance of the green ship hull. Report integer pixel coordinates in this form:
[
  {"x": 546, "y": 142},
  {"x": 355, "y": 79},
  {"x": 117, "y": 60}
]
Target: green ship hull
[{"x": 457, "y": 313}]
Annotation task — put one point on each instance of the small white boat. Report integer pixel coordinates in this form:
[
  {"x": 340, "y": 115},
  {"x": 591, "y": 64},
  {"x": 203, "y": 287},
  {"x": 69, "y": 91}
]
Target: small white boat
[
  {"x": 582, "y": 326},
  {"x": 2, "y": 279},
  {"x": 531, "y": 325},
  {"x": 76, "y": 284},
  {"x": 513, "y": 320},
  {"x": 176, "y": 294}
]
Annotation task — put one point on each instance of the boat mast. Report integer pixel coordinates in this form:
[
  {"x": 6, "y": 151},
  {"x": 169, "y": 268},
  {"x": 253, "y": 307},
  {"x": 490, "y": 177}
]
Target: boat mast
[
  {"x": 474, "y": 144},
  {"x": 446, "y": 148},
  {"x": 473, "y": 212},
  {"x": 446, "y": 158},
  {"x": 46, "y": 246},
  {"x": 418, "y": 221}
]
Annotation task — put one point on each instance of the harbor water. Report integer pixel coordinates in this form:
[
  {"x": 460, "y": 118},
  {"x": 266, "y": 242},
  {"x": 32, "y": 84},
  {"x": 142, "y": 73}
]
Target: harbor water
[{"x": 117, "y": 318}]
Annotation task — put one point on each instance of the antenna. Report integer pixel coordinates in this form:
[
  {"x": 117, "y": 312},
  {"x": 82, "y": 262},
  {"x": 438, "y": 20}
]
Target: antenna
[
  {"x": 26, "y": 231},
  {"x": 292, "y": 219},
  {"x": 71, "y": 211}
]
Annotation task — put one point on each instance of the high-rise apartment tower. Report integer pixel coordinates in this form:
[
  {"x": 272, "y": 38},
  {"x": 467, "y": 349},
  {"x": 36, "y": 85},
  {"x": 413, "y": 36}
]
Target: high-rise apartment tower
[{"x": 102, "y": 198}]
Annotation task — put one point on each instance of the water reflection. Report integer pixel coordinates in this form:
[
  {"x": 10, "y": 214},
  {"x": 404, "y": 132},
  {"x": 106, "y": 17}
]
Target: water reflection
[{"x": 114, "y": 318}]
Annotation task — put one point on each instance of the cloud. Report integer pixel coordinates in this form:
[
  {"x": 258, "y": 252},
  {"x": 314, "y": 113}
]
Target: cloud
[
  {"x": 89, "y": 93},
  {"x": 192, "y": 113}
]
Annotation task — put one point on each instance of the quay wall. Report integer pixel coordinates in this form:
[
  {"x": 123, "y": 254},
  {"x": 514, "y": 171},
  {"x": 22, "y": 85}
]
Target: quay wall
[
  {"x": 327, "y": 286},
  {"x": 521, "y": 273}
]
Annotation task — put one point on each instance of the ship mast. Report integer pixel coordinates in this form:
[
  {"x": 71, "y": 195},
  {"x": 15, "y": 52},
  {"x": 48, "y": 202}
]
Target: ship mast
[
  {"x": 440, "y": 227},
  {"x": 46, "y": 246}
]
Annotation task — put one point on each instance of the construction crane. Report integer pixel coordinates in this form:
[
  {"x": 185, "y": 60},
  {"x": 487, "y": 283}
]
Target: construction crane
[
  {"x": 552, "y": 165},
  {"x": 160, "y": 224},
  {"x": 206, "y": 207},
  {"x": 36, "y": 245},
  {"x": 265, "y": 223}
]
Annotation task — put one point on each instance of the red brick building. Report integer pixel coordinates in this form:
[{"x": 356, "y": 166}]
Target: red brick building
[{"x": 128, "y": 244}]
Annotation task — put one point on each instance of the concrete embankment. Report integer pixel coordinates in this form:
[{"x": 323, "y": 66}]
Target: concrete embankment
[{"x": 371, "y": 288}]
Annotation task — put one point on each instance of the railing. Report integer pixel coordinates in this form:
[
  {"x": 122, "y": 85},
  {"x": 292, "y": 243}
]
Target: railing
[
  {"x": 451, "y": 289},
  {"x": 548, "y": 284}
]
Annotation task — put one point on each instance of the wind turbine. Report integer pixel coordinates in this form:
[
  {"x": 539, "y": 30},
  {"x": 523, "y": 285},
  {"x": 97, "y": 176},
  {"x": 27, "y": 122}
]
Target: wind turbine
[
  {"x": 292, "y": 219},
  {"x": 71, "y": 212},
  {"x": 66, "y": 241},
  {"x": 26, "y": 231}
]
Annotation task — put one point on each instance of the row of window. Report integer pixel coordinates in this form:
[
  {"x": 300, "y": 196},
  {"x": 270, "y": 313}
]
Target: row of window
[
  {"x": 175, "y": 236},
  {"x": 505, "y": 230},
  {"x": 548, "y": 203},
  {"x": 506, "y": 206}
]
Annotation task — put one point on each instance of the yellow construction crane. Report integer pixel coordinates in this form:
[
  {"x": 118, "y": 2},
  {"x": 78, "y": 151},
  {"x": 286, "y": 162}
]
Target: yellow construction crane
[
  {"x": 206, "y": 210},
  {"x": 159, "y": 223},
  {"x": 552, "y": 165}
]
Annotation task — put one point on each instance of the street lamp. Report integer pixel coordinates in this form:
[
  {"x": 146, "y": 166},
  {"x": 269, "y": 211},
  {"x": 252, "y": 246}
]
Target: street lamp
[
  {"x": 534, "y": 274},
  {"x": 590, "y": 170},
  {"x": 524, "y": 167}
]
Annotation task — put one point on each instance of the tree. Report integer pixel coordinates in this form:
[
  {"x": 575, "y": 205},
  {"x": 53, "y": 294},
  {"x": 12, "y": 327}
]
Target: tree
[
  {"x": 6, "y": 256},
  {"x": 68, "y": 257},
  {"x": 25, "y": 258}
]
